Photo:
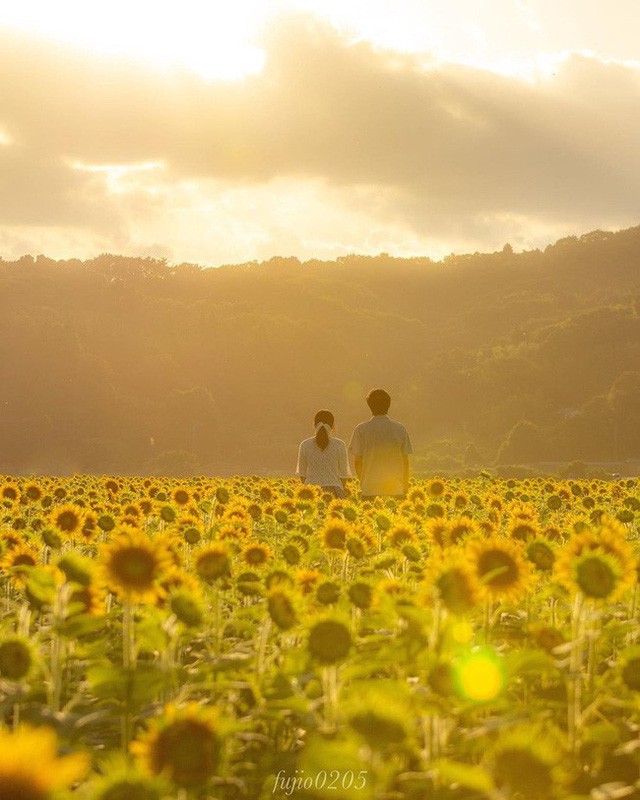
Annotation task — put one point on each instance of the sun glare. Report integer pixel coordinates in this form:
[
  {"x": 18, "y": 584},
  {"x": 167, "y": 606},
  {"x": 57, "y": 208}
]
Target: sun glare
[
  {"x": 480, "y": 676},
  {"x": 212, "y": 39},
  {"x": 116, "y": 174}
]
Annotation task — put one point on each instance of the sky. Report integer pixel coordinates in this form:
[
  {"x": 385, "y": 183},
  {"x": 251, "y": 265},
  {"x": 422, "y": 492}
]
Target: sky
[{"x": 219, "y": 133}]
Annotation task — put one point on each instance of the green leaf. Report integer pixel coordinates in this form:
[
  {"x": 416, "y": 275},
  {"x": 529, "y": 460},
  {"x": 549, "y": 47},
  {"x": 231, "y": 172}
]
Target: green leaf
[
  {"x": 467, "y": 775},
  {"x": 133, "y": 687}
]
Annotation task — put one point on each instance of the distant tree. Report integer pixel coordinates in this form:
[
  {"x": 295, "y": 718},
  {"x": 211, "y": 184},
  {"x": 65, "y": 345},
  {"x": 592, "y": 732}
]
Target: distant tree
[
  {"x": 525, "y": 443},
  {"x": 624, "y": 401}
]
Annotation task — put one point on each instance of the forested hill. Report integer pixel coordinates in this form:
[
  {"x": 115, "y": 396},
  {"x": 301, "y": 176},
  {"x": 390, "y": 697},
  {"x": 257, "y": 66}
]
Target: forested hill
[{"x": 129, "y": 365}]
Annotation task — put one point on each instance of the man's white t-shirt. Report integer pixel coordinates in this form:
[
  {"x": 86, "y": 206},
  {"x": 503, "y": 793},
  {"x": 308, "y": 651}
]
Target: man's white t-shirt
[
  {"x": 381, "y": 443},
  {"x": 323, "y": 467}
]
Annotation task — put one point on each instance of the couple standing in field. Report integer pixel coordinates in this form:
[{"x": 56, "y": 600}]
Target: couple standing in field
[{"x": 380, "y": 448}]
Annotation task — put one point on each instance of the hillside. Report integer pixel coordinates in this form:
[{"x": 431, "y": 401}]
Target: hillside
[{"x": 129, "y": 365}]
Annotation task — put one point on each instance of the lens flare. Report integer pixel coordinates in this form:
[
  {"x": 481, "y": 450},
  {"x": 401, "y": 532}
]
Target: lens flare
[{"x": 480, "y": 676}]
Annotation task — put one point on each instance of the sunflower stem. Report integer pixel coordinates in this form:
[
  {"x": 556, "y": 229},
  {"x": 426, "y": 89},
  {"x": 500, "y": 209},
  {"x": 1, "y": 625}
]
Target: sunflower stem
[
  {"x": 592, "y": 632},
  {"x": 330, "y": 694},
  {"x": 129, "y": 664},
  {"x": 128, "y": 635},
  {"x": 57, "y": 649},
  {"x": 345, "y": 565},
  {"x": 216, "y": 619},
  {"x": 486, "y": 620},
  {"x": 574, "y": 687},
  {"x": 434, "y": 635},
  {"x": 633, "y": 609},
  {"x": 265, "y": 629}
]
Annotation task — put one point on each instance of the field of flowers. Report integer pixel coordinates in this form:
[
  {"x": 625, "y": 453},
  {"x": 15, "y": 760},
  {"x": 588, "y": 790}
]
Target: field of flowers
[{"x": 254, "y": 638}]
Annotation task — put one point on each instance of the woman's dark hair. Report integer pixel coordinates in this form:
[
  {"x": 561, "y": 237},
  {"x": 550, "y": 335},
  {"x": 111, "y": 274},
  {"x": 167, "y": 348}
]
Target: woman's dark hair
[{"x": 322, "y": 437}]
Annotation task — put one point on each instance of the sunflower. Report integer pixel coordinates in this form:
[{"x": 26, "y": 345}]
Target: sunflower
[
  {"x": 401, "y": 534},
  {"x": 282, "y": 609},
  {"x": 308, "y": 493},
  {"x": 522, "y": 511},
  {"x": 133, "y": 564},
  {"x": 185, "y": 745},
  {"x": 307, "y": 579},
  {"x": 526, "y": 763},
  {"x": 90, "y": 528},
  {"x": 112, "y": 486},
  {"x": 10, "y": 539},
  {"x": 19, "y": 777},
  {"x": 32, "y": 491},
  {"x": 436, "y": 487},
  {"x": 88, "y": 600},
  {"x": 596, "y": 574},
  {"x": 436, "y": 530},
  {"x": 17, "y": 562},
  {"x": 68, "y": 519},
  {"x": 448, "y": 576},
  {"x": 600, "y": 563},
  {"x": 187, "y": 606},
  {"x": 416, "y": 496},
  {"x": 9, "y": 493},
  {"x": 380, "y": 714},
  {"x": 334, "y": 534},
  {"x": 122, "y": 782},
  {"x": 17, "y": 658},
  {"x": 541, "y": 554},
  {"x": 181, "y": 496},
  {"x": 523, "y": 530},
  {"x": 212, "y": 562},
  {"x": 460, "y": 528},
  {"x": 229, "y": 533},
  {"x": 499, "y": 566},
  {"x": 329, "y": 641},
  {"x": 76, "y": 568},
  {"x": 256, "y": 554}
]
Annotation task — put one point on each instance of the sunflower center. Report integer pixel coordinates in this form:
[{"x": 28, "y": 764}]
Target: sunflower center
[
  {"x": 189, "y": 749},
  {"x": 497, "y": 568},
  {"x": 24, "y": 560},
  {"x": 67, "y": 521},
  {"x": 20, "y": 787},
  {"x": 595, "y": 577},
  {"x": 134, "y": 566},
  {"x": 15, "y": 660},
  {"x": 455, "y": 591},
  {"x": 522, "y": 771}
]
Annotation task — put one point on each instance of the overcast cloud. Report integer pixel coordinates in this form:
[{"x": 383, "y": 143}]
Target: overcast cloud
[{"x": 421, "y": 156}]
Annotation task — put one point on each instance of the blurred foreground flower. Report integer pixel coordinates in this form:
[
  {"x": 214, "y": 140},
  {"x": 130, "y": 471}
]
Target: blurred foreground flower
[{"x": 30, "y": 768}]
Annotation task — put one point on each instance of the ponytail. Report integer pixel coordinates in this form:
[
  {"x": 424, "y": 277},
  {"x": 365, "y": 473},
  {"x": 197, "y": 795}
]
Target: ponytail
[
  {"x": 322, "y": 435},
  {"x": 323, "y": 422}
]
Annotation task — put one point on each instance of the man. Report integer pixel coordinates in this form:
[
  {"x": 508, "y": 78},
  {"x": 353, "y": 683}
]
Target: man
[{"x": 381, "y": 449}]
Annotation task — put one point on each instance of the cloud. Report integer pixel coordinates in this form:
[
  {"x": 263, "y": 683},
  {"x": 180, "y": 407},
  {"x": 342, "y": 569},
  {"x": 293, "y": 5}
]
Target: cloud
[{"x": 442, "y": 151}]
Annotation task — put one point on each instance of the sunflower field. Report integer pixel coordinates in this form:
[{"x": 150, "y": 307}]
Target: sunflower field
[{"x": 255, "y": 638}]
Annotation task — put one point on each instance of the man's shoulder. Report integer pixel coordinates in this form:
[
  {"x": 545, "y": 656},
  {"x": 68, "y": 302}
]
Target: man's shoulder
[{"x": 397, "y": 424}]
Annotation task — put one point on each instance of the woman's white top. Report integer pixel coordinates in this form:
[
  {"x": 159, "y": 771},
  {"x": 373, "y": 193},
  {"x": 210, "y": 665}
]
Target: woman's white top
[{"x": 323, "y": 467}]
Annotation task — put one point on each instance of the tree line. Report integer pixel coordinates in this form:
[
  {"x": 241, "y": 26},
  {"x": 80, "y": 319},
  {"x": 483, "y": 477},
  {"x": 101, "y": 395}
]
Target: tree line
[{"x": 133, "y": 365}]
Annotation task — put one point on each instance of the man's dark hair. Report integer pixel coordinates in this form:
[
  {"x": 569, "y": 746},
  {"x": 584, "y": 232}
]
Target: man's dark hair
[{"x": 378, "y": 401}]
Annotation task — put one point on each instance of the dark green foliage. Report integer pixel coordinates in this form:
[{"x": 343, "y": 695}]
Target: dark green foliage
[{"x": 128, "y": 365}]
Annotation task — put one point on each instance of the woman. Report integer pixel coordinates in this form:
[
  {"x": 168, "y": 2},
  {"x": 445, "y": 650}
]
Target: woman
[{"x": 322, "y": 459}]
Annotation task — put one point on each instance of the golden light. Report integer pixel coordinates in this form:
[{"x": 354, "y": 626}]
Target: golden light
[
  {"x": 117, "y": 174},
  {"x": 461, "y": 631},
  {"x": 480, "y": 676},
  {"x": 212, "y": 39}
]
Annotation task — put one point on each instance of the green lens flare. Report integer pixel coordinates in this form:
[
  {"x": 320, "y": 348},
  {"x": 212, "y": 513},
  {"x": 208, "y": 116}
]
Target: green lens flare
[{"x": 480, "y": 676}]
